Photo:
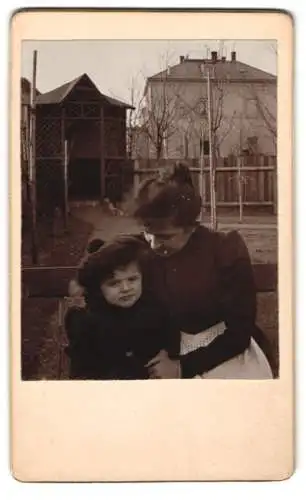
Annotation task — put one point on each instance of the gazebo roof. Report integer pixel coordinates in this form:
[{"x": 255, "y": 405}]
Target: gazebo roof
[{"x": 60, "y": 94}]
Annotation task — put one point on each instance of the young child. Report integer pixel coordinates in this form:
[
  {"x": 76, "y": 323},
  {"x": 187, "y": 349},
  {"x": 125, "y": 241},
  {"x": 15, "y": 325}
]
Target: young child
[{"x": 123, "y": 326}]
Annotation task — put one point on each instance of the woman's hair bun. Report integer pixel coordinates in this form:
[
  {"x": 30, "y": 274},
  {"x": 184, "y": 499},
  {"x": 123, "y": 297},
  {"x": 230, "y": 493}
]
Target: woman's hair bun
[
  {"x": 181, "y": 174},
  {"x": 95, "y": 245},
  {"x": 178, "y": 173}
]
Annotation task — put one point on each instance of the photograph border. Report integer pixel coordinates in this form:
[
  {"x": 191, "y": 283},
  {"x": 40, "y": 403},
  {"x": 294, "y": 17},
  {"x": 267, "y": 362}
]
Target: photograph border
[{"x": 173, "y": 416}]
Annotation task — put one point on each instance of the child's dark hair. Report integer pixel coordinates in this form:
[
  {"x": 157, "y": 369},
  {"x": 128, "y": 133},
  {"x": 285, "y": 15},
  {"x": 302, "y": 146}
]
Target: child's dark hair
[{"x": 100, "y": 265}]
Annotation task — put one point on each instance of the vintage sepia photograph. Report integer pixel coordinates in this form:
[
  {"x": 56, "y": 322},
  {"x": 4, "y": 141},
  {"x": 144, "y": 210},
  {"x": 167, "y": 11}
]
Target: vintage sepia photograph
[
  {"x": 151, "y": 245},
  {"x": 149, "y": 200}
]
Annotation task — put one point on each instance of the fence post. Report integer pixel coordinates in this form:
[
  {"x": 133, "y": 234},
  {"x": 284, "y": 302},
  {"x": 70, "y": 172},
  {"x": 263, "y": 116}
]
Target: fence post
[
  {"x": 136, "y": 176},
  {"x": 66, "y": 202},
  {"x": 239, "y": 185},
  {"x": 202, "y": 186},
  {"x": 261, "y": 180}
]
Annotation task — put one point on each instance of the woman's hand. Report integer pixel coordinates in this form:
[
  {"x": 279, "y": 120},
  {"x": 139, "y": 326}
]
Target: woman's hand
[
  {"x": 76, "y": 295},
  {"x": 75, "y": 302},
  {"x": 161, "y": 366},
  {"x": 75, "y": 289}
]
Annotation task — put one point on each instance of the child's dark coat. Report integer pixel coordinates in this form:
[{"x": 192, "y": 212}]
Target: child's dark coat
[{"x": 107, "y": 342}]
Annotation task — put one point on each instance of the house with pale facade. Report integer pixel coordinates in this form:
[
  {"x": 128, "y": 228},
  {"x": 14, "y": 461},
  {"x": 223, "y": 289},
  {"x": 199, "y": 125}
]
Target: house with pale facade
[{"x": 238, "y": 100}]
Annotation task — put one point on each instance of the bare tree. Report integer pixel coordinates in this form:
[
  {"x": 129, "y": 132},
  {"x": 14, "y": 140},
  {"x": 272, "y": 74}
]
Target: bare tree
[
  {"x": 214, "y": 124},
  {"x": 137, "y": 101},
  {"x": 266, "y": 112},
  {"x": 262, "y": 119},
  {"x": 158, "y": 111},
  {"x": 160, "y": 116},
  {"x": 272, "y": 46},
  {"x": 266, "y": 100},
  {"x": 221, "y": 123}
]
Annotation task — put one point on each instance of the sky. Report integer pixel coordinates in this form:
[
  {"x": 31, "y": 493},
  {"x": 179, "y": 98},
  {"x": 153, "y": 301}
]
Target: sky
[{"x": 115, "y": 66}]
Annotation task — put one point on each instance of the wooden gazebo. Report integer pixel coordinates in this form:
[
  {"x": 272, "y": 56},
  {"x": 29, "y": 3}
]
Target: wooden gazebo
[{"x": 78, "y": 124}]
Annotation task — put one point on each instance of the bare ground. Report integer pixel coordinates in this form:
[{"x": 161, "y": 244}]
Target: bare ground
[
  {"x": 260, "y": 233},
  {"x": 39, "y": 316}
]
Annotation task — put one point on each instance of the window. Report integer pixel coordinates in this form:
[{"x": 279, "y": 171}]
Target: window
[
  {"x": 252, "y": 144},
  {"x": 205, "y": 145},
  {"x": 185, "y": 145},
  {"x": 181, "y": 110},
  {"x": 202, "y": 107}
]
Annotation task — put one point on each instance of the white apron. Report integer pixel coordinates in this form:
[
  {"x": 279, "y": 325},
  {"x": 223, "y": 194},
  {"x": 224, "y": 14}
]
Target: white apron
[{"x": 251, "y": 364}]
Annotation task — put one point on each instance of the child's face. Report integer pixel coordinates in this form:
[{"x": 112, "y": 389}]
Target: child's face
[{"x": 124, "y": 287}]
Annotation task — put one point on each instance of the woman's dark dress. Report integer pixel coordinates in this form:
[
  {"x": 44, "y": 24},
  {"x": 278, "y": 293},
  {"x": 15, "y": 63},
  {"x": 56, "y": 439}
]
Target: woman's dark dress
[{"x": 207, "y": 282}]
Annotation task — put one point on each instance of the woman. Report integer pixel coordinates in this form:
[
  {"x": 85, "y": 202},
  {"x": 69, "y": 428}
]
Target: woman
[{"x": 205, "y": 279}]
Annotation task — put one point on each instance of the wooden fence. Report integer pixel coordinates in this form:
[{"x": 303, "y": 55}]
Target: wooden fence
[{"x": 258, "y": 182}]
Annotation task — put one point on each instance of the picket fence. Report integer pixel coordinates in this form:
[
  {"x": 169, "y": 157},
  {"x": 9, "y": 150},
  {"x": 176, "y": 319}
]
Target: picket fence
[{"x": 253, "y": 183}]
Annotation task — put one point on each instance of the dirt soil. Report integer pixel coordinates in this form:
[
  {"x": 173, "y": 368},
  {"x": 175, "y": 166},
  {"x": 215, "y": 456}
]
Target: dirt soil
[{"x": 39, "y": 316}]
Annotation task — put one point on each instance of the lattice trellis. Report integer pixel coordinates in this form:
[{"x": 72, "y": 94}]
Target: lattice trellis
[
  {"x": 48, "y": 138},
  {"x": 55, "y": 124},
  {"x": 52, "y": 111},
  {"x": 73, "y": 110},
  {"x": 91, "y": 110},
  {"x": 114, "y": 137},
  {"x": 50, "y": 185},
  {"x": 82, "y": 110},
  {"x": 118, "y": 178},
  {"x": 71, "y": 124}
]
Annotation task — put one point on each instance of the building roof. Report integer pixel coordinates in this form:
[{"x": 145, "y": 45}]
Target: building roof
[
  {"x": 231, "y": 70},
  {"x": 59, "y": 94}
]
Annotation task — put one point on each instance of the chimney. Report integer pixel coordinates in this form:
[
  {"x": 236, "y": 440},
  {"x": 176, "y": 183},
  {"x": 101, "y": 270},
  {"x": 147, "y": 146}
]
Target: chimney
[
  {"x": 214, "y": 56},
  {"x": 182, "y": 59},
  {"x": 233, "y": 56}
]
